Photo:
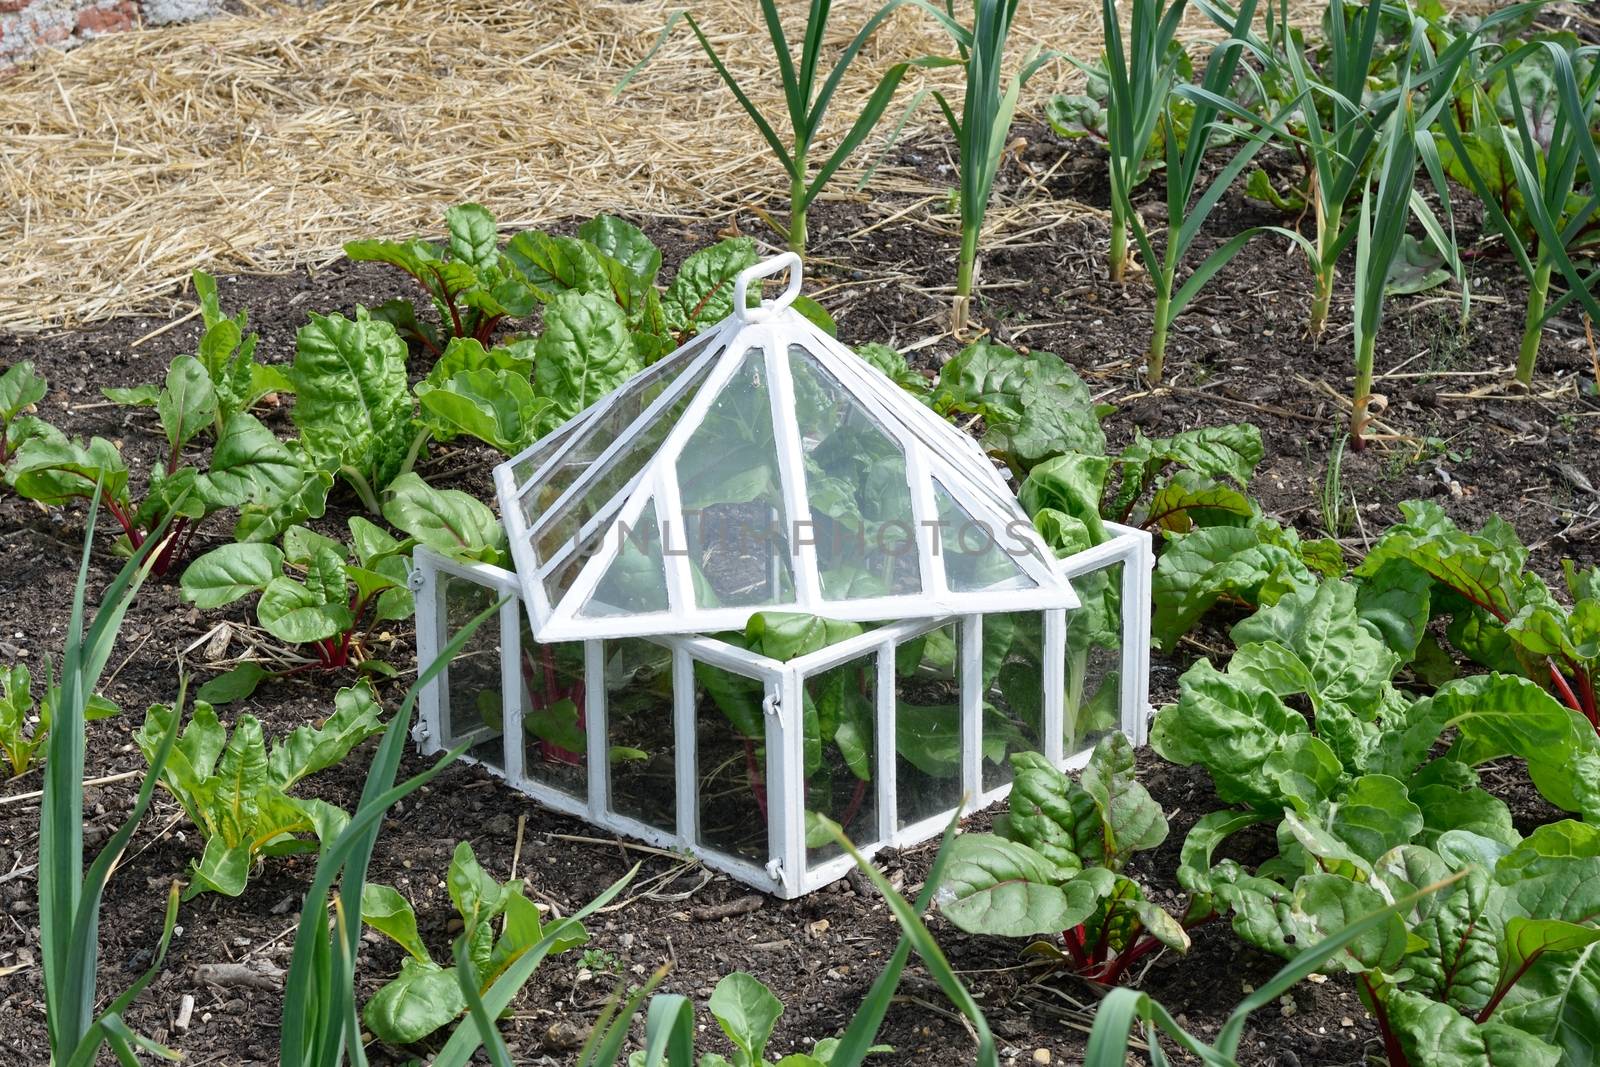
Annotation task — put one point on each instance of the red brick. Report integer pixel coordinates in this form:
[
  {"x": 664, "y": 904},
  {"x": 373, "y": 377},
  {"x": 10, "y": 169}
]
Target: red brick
[
  {"x": 8, "y": 7},
  {"x": 119, "y": 16}
]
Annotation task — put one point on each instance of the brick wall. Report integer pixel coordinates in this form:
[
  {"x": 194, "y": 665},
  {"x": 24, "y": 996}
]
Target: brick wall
[{"x": 28, "y": 25}]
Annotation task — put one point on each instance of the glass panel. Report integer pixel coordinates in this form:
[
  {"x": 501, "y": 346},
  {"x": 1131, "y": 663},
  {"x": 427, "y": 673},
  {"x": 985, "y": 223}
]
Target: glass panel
[
  {"x": 635, "y": 582},
  {"x": 840, "y": 753},
  {"x": 602, "y": 484},
  {"x": 734, "y": 520},
  {"x": 731, "y": 762},
  {"x": 555, "y": 742},
  {"x": 639, "y": 730},
  {"x": 1013, "y": 679},
  {"x": 1092, "y": 706},
  {"x": 598, "y": 433},
  {"x": 470, "y": 708},
  {"x": 955, "y": 447},
  {"x": 527, "y": 465},
  {"x": 928, "y": 726},
  {"x": 975, "y": 554},
  {"x": 857, "y": 488}
]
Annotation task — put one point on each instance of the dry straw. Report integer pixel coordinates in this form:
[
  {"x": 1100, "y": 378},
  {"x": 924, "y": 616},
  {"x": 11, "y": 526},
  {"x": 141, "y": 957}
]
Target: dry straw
[{"x": 264, "y": 141}]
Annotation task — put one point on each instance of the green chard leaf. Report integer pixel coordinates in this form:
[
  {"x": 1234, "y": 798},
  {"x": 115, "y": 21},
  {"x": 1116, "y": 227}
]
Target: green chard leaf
[{"x": 352, "y": 406}]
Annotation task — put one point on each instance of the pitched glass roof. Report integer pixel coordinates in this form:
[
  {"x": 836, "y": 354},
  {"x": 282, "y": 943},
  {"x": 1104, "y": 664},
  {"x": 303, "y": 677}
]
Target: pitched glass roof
[{"x": 763, "y": 466}]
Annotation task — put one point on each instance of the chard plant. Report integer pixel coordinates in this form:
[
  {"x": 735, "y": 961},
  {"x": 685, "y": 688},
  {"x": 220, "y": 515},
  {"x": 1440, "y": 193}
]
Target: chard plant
[
  {"x": 1173, "y": 485},
  {"x": 247, "y": 463},
  {"x": 1530, "y": 172},
  {"x": 352, "y": 404},
  {"x": 426, "y": 996},
  {"x": 806, "y": 98},
  {"x": 1332, "y": 649},
  {"x": 484, "y": 393},
  {"x": 1250, "y": 565},
  {"x": 612, "y": 260},
  {"x": 22, "y": 739},
  {"x": 234, "y": 789},
  {"x": 1033, "y": 407},
  {"x": 1055, "y": 865},
  {"x": 321, "y": 596},
  {"x": 21, "y": 389},
  {"x": 1124, "y": 1011},
  {"x": 79, "y": 1019},
  {"x": 227, "y": 355},
  {"x": 1217, "y": 546},
  {"x": 1501, "y": 614},
  {"x": 469, "y": 280},
  {"x": 982, "y": 128},
  {"x": 1376, "y": 793},
  {"x": 358, "y": 418}
]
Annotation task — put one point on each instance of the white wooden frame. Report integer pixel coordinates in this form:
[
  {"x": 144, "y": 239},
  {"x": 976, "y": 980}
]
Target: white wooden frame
[{"x": 785, "y": 873}]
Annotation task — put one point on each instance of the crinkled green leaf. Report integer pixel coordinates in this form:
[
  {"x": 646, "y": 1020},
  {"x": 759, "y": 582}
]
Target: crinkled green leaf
[
  {"x": 701, "y": 293},
  {"x": 352, "y": 405},
  {"x": 1436, "y": 1034},
  {"x": 1071, "y": 484},
  {"x": 585, "y": 352},
  {"x": 1200, "y": 568},
  {"x": 1033, "y": 406},
  {"x": 309, "y": 749},
  {"x": 249, "y": 464},
  {"x": 1131, "y": 820},
  {"x": 1231, "y": 725}
]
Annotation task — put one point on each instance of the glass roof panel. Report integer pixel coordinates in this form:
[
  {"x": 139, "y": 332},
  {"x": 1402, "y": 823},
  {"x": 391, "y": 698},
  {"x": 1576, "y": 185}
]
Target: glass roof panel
[
  {"x": 857, "y": 489},
  {"x": 734, "y": 519},
  {"x": 602, "y": 481},
  {"x": 585, "y": 438},
  {"x": 635, "y": 582},
  {"x": 976, "y": 559}
]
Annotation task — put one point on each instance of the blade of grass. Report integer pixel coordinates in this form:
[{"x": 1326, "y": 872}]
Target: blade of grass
[{"x": 913, "y": 930}]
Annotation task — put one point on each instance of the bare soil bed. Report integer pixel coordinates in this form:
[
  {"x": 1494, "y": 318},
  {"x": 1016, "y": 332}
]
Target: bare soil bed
[{"x": 1237, "y": 355}]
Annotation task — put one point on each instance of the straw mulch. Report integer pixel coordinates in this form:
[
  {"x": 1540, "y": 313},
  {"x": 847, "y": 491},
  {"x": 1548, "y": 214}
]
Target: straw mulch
[{"x": 266, "y": 140}]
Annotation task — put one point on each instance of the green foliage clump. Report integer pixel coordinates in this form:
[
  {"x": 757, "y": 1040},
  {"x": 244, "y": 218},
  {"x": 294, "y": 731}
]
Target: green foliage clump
[
  {"x": 235, "y": 790},
  {"x": 426, "y": 996},
  {"x": 20, "y": 741},
  {"x": 1055, "y": 865}
]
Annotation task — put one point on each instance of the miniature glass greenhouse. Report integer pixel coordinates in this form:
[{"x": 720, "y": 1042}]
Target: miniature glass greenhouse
[{"x": 765, "y": 471}]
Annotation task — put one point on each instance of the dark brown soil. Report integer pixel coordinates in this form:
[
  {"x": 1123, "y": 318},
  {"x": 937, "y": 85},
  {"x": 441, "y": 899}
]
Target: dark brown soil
[{"x": 1237, "y": 355}]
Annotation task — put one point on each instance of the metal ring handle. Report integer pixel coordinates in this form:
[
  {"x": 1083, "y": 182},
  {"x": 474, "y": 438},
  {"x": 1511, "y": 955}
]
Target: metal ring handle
[{"x": 765, "y": 269}]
